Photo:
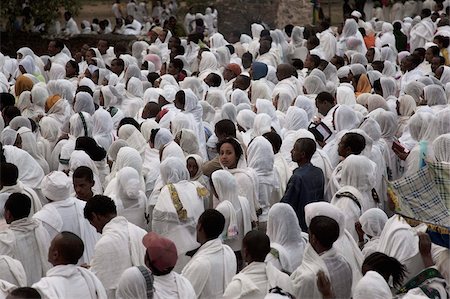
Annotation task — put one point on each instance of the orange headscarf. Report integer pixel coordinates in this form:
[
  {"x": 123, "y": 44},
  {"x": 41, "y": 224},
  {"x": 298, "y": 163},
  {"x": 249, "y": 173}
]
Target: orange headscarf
[
  {"x": 51, "y": 100},
  {"x": 363, "y": 85},
  {"x": 23, "y": 83}
]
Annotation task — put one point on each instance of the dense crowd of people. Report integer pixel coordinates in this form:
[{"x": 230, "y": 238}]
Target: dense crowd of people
[{"x": 242, "y": 167}]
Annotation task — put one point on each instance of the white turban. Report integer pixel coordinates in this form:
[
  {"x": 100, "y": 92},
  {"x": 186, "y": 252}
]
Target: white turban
[{"x": 56, "y": 186}]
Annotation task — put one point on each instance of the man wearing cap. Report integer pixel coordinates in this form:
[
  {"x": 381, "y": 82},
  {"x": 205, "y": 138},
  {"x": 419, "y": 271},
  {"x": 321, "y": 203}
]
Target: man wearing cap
[
  {"x": 230, "y": 73},
  {"x": 214, "y": 264},
  {"x": 65, "y": 213},
  {"x": 120, "y": 246},
  {"x": 160, "y": 257}
]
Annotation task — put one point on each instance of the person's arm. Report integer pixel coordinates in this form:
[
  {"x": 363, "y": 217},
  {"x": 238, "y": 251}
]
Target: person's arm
[
  {"x": 324, "y": 285},
  {"x": 425, "y": 249},
  {"x": 292, "y": 191}
]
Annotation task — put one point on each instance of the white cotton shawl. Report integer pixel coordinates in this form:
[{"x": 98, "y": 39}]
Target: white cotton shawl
[
  {"x": 284, "y": 231},
  {"x": 372, "y": 285},
  {"x": 30, "y": 173},
  {"x": 70, "y": 281},
  {"x": 121, "y": 242},
  {"x": 12, "y": 271}
]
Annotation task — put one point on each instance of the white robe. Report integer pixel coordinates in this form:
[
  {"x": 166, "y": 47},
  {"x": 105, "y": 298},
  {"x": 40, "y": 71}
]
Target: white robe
[
  {"x": 12, "y": 271},
  {"x": 255, "y": 281},
  {"x": 68, "y": 215},
  {"x": 70, "y": 281},
  {"x": 172, "y": 285},
  {"x": 6, "y": 191},
  {"x": 211, "y": 269},
  {"x": 119, "y": 248},
  {"x": 27, "y": 241}
]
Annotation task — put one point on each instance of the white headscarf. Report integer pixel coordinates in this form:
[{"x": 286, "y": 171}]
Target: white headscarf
[
  {"x": 133, "y": 137},
  {"x": 283, "y": 229},
  {"x": 296, "y": 118},
  {"x": 434, "y": 95},
  {"x": 239, "y": 96},
  {"x": 345, "y": 96},
  {"x": 84, "y": 102},
  {"x": 261, "y": 158},
  {"x": 173, "y": 170},
  {"x": 441, "y": 147},
  {"x": 103, "y": 128},
  {"x": 372, "y": 285}
]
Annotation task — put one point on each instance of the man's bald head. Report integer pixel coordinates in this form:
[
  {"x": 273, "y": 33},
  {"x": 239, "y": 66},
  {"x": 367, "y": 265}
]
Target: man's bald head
[
  {"x": 66, "y": 248},
  {"x": 284, "y": 71}
]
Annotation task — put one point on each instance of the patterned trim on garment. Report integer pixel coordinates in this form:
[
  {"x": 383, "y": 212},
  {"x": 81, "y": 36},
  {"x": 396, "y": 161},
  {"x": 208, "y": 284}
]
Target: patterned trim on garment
[
  {"x": 351, "y": 196},
  {"x": 112, "y": 111},
  {"x": 202, "y": 191},
  {"x": 181, "y": 211},
  {"x": 148, "y": 276},
  {"x": 84, "y": 123},
  {"x": 420, "y": 280}
]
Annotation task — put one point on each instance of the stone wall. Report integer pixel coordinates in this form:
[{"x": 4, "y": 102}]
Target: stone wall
[{"x": 240, "y": 14}]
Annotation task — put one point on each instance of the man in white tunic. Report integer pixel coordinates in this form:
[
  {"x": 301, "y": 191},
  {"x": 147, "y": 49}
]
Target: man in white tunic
[
  {"x": 66, "y": 279},
  {"x": 120, "y": 246},
  {"x": 214, "y": 264},
  {"x": 255, "y": 280},
  {"x": 26, "y": 239},
  {"x": 65, "y": 213},
  {"x": 71, "y": 25}
]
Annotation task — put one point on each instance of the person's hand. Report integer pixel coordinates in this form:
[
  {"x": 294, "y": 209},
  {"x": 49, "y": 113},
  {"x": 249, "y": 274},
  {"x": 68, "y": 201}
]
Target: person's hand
[
  {"x": 359, "y": 231},
  {"x": 425, "y": 249},
  {"x": 324, "y": 285},
  {"x": 400, "y": 154},
  {"x": 321, "y": 143}
]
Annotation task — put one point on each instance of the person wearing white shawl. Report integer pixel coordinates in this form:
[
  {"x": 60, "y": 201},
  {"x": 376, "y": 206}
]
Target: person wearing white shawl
[
  {"x": 164, "y": 142},
  {"x": 132, "y": 101},
  {"x": 26, "y": 107},
  {"x": 81, "y": 158},
  {"x": 188, "y": 141},
  {"x": 349, "y": 30},
  {"x": 371, "y": 223},
  {"x": 212, "y": 257},
  {"x": 134, "y": 138},
  {"x": 65, "y": 213},
  {"x": 177, "y": 208},
  {"x": 386, "y": 36},
  {"x": 345, "y": 95},
  {"x": 235, "y": 209},
  {"x": 83, "y": 102},
  {"x": 29, "y": 144},
  {"x": 58, "y": 109},
  {"x": 440, "y": 146},
  {"x": 126, "y": 156},
  {"x": 12, "y": 271},
  {"x": 355, "y": 195},
  {"x": 323, "y": 253},
  {"x": 129, "y": 197},
  {"x": 9, "y": 184},
  {"x": 258, "y": 277},
  {"x": 103, "y": 128},
  {"x": 265, "y": 106},
  {"x": 26, "y": 239},
  {"x": 66, "y": 279},
  {"x": 111, "y": 100},
  {"x": 208, "y": 64},
  {"x": 261, "y": 159},
  {"x": 121, "y": 242},
  {"x": 400, "y": 241},
  {"x": 286, "y": 240},
  {"x": 372, "y": 285},
  {"x": 80, "y": 124},
  {"x": 422, "y": 32}
]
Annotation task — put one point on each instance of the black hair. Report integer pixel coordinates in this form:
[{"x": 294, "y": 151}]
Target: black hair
[
  {"x": 356, "y": 142},
  {"x": 128, "y": 121},
  {"x": 420, "y": 52},
  {"x": 226, "y": 127},
  {"x": 314, "y": 41},
  {"x": 177, "y": 63},
  {"x": 59, "y": 44},
  {"x": 85, "y": 88},
  {"x": 315, "y": 59},
  {"x": 441, "y": 60},
  {"x": 230, "y": 48},
  {"x": 378, "y": 65},
  {"x": 212, "y": 222},
  {"x": 325, "y": 96},
  {"x": 179, "y": 49},
  {"x": 445, "y": 40},
  {"x": 257, "y": 245},
  {"x": 415, "y": 59},
  {"x": 68, "y": 13},
  {"x": 434, "y": 50},
  {"x": 377, "y": 85},
  {"x": 9, "y": 174},
  {"x": 19, "y": 205},
  {"x": 307, "y": 146},
  {"x": 426, "y": 12},
  {"x": 33, "y": 124},
  {"x": 178, "y": 40},
  {"x": 275, "y": 140},
  {"x": 90, "y": 147},
  {"x": 236, "y": 145},
  {"x": 25, "y": 293},
  {"x": 119, "y": 61},
  {"x": 71, "y": 247},
  {"x": 297, "y": 64},
  {"x": 245, "y": 80},
  {"x": 215, "y": 79},
  {"x": 152, "y": 77},
  {"x": 288, "y": 29},
  {"x": 362, "y": 30},
  {"x": 325, "y": 24},
  {"x": 6, "y": 99},
  {"x": 153, "y": 135},
  {"x": 386, "y": 266},
  {"x": 340, "y": 62},
  {"x": 83, "y": 172},
  {"x": 325, "y": 230},
  {"x": 397, "y": 26},
  {"x": 101, "y": 205},
  {"x": 266, "y": 37},
  {"x": 10, "y": 112},
  {"x": 264, "y": 33}
]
